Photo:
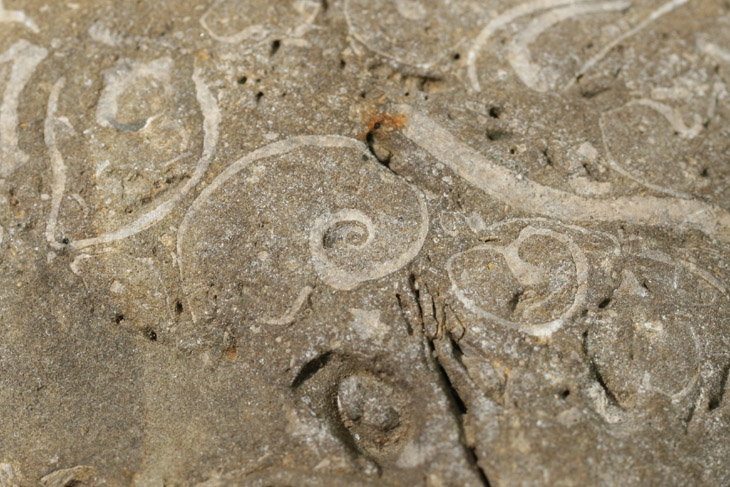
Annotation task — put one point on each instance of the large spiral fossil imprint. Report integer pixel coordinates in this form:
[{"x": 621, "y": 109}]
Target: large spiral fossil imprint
[{"x": 263, "y": 212}]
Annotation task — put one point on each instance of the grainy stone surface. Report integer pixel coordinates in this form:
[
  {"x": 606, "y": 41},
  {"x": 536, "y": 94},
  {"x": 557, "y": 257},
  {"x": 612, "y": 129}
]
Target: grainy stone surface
[{"x": 365, "y": 243}]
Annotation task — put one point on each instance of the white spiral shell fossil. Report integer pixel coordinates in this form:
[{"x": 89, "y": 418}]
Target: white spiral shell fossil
[{"x": 286, "y": 233}]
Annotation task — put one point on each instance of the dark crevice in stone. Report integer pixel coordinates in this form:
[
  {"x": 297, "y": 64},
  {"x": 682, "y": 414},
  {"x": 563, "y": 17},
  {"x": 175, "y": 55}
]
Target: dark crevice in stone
[
  {"x": 382, "y": 159},
  {"x": 413, "y": 285},
  {"x": 514, "y": 301},
  {"x": 409, "y": 328},
  {"x": 589, "y": 170},
  {"x": 456, "y": 349},
  {"x": 606, "y": 302},
  {"x": 310, "y": 369},
  {"x": 459, "y": 409},
  {"x": 716, "y": 398},
  {"x": 548, "y": 158},
  {"x": 596, "y": 375}
]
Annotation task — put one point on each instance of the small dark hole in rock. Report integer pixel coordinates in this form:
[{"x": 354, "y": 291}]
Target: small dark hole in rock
[
  {"x": 178, "y": 307},
  {"x": 565, "y": 394},
  {"x": 65, "y": 241},
  {"x": 515, "y": 300},
  {"x": 343, "y": 63},
  {"x": 495, "y": 112},
  {"x": 457, "y": 56},
  {"x": 118, "y": 318},
  {"x": 705, "y": 173},
  {"x": 275, "y": 46},
  {"x": 150, "y": 334},
  {"x": 242, "y": 80},
  {"x": 259, "y": 95},
  {"x": 363, "y": 94},
  {"x": 604, "y": 303}
]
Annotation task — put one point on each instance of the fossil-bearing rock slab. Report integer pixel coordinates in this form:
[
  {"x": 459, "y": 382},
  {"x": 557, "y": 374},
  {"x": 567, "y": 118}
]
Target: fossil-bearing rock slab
[{"x": 365, "y": 243}]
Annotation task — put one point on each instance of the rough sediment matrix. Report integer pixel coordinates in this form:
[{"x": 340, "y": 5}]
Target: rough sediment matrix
[{"x": 365, "y": 243}]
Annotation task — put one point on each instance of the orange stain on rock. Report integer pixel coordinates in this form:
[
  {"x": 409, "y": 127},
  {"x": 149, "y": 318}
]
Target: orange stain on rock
[{"x": 383, "y": 123}]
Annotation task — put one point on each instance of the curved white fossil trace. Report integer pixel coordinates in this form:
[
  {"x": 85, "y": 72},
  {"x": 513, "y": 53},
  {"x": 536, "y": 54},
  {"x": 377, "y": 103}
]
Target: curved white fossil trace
[
  {"x": 106, "y": 117},
  {"x": 526, "y": 274},
  {"x": 348, "y": 242},
  {"x": 532, "y": 197}
]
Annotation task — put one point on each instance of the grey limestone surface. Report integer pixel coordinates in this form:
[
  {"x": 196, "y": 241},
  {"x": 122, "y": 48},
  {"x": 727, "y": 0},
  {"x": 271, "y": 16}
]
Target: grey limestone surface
[{"x": 364, "y": 243}]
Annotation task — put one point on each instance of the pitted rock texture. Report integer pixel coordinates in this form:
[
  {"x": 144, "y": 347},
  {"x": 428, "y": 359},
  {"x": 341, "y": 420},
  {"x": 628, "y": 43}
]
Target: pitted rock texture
[{"x": 365, "y": 243}]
